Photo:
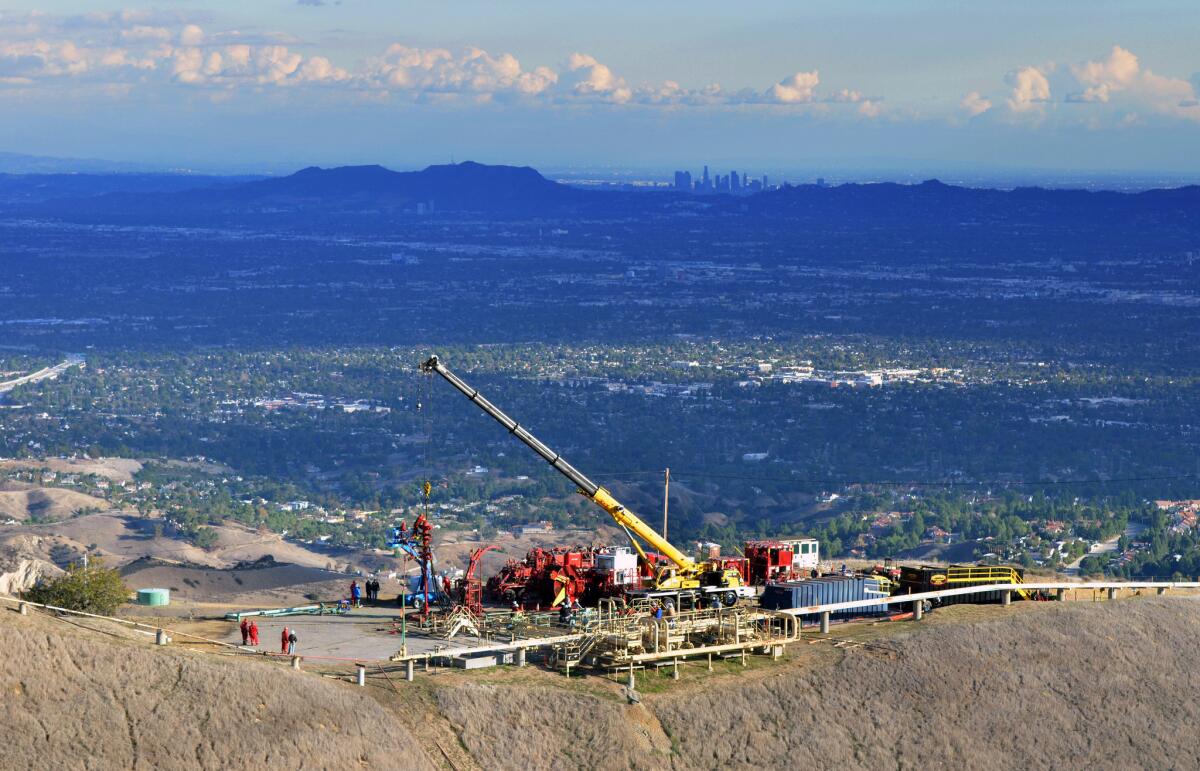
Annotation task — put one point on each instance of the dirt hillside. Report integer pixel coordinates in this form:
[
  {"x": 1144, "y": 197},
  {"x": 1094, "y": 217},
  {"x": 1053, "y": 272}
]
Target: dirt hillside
[
  {"x": 211, "y": 584},
  {"x": 1038, "y": 686},
  {"x": 116, "y": 469},
  {"x": 1041, "y": 687},
  {"x": 48, "y": 503},
  {"x": 76, "y": 699}
]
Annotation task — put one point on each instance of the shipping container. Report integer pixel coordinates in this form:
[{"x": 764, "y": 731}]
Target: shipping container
[{"x": 826, "y": 590}]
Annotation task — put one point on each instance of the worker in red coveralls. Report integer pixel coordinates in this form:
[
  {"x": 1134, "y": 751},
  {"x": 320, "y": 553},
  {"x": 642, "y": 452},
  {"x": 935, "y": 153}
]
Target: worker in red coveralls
[
  {"x": 245, "y": 627},
  {"x": 283, "y": 641},
  {"x": 253, "y": 633}
]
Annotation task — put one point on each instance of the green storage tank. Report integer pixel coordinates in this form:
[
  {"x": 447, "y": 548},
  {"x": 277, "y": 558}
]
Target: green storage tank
[{"x": 154, "y": 596}]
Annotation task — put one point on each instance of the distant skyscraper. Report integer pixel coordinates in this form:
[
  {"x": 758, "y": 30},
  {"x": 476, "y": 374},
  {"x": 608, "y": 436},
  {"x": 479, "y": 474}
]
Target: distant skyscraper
[
  {"x": 683, "y": 180},
  {"x": 765, "y": 185},
  {"x": 735, "y": 184},
  {"x": 704, "y": 180}
]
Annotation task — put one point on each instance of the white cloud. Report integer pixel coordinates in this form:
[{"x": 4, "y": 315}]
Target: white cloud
[
  {"x": 143, "y": 32},
  {"x": 1121, "y": 79},
  {"x": 191, "y": 35},
  {"x": 1118, "y": 88},
  {"x": 869, "y": 108},
  {"x": 439, "y": 71},
  {"x": 796, "y": 89},
  {"x": 1030, "y": 89},
  {"x": 591, "y": 79},
  {"x": 117, "y": 53},
  {"x": 974, "y": 104}
]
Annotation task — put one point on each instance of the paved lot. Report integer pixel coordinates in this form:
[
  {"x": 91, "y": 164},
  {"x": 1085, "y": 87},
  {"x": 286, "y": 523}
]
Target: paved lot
[{"x": 363, "y": 634}]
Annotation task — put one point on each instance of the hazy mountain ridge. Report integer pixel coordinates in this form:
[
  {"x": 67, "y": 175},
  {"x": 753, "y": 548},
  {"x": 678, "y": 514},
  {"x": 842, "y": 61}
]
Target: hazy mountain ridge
[{"x": 367, "y": 192}]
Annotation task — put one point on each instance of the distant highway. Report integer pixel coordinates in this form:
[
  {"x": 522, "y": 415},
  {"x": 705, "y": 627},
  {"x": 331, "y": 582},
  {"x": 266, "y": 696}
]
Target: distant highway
[{"x": 46, "y": 373}]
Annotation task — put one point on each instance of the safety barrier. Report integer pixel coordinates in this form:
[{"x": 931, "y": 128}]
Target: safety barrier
[{"x": 904, "y": 599}]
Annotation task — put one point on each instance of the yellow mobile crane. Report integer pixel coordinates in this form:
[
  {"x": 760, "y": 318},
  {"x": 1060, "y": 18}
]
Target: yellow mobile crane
[{"x": 683, "y": 576}]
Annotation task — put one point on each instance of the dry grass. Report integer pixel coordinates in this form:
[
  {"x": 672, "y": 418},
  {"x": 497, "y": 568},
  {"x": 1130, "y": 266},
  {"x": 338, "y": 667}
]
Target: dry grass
[
  {"x": 116, "y": 469},
  {"x": 1036, "y": 686},
  {"x": 1066, "y": 686},
  {"x": 46, "y": 502},
  {"x": 74, "y": 699},
  {"x": 535, "y": 728}
]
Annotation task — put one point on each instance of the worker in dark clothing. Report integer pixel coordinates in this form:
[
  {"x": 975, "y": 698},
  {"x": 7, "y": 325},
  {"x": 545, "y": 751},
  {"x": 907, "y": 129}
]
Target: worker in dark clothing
[
  {"x": 355, "y": 594},
  {"x": 291, "y": 647},
  {"x": 245, "y": 627}
]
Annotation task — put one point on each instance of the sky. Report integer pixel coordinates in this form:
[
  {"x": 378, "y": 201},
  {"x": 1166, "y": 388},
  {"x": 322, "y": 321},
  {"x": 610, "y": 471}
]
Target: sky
[{"x": 918, "y": 87}]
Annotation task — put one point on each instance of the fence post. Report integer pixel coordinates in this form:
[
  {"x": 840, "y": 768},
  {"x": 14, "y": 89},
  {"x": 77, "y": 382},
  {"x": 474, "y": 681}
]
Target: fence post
[
  {"x": 824, "y": 622},
  {"x": 295, "y": 662},
  {"x": 23, "y": 609},
  {"x": 918, "y": 610},
  {"x": 160, "y": 637},
  {"x": 410, "y": 670},
  {"x": 362, "y": 674}
]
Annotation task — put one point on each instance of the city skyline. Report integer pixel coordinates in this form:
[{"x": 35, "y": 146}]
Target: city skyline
[{"x": 219, "y": 86}]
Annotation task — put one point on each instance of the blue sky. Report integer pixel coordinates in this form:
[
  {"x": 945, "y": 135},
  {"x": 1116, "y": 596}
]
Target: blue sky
[{"x": 914, "y": 86}]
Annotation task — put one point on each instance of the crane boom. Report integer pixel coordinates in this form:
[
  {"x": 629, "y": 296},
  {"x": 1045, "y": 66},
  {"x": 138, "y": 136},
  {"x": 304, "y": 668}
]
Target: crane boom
[{"x": 589, "y": 489}]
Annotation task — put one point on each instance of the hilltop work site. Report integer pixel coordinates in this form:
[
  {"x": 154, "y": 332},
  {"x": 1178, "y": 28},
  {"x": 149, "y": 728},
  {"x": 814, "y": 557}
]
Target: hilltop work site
[{"x": 630, "y": 655}]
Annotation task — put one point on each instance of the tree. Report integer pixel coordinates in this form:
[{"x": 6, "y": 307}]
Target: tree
[
  {"x": 92, "y": 589},
  {"x": 205, "y": 537}
]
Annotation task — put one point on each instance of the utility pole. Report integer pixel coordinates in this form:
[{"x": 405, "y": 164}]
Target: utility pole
[{"x": 666, "y": 497}]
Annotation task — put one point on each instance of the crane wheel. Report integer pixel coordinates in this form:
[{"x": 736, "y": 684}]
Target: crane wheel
[{"x": 729, "y": 599}]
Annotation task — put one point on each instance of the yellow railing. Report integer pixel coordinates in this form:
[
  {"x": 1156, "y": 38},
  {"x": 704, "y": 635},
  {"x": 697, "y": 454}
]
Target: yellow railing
[{"x": 971, "y": 574}]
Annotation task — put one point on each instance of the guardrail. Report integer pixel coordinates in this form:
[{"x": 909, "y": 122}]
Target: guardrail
[{"x": 899, "y": 599}]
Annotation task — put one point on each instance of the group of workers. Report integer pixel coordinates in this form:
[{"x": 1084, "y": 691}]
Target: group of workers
[
  {"x": 249, "y": 632},
  {"x": 249, "y": 629},
  {"x": 356, "y": 592}
]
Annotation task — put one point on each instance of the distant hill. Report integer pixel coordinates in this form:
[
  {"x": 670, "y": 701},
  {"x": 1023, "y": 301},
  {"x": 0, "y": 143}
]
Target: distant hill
[
  {"x": 47, "y": 503},
  {"x": 371, "y": 195},
  {"x": 466, "y": 186},
  {"x": 936, "y": 202},
  {"x": 346, "y": 190}
]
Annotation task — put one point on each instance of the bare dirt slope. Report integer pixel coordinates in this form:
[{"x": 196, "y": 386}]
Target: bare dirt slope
[
  {"x": 47, "y": 503},
  {"x": 75, "y": 699},
  {"x": 116, "y": 469},
  {"x": 121, "y": 537},
  {"x": 1048, "y": 686},
  {"x": 210, "y": 584},
  {"x": 1039, "y": 686}
]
